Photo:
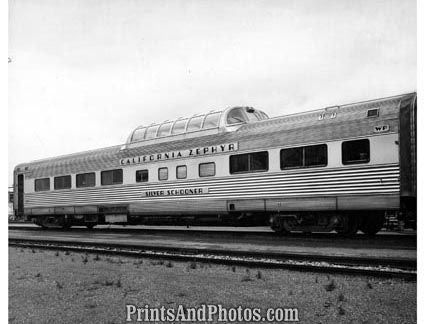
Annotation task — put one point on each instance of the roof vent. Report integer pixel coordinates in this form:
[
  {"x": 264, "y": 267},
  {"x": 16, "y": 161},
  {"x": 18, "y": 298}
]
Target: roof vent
[{"x": 373, "y": 112}]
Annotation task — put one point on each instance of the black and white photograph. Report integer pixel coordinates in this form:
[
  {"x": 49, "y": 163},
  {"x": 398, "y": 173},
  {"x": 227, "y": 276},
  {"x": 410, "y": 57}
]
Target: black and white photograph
[{"x": 239, "y": 161}]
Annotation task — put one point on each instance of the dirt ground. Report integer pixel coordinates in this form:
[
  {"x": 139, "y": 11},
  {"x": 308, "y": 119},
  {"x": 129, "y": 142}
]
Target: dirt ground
[{"x": 60, "y": 287}]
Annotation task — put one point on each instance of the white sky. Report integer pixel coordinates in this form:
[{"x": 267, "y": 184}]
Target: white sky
[{"x": 85, "y": 73}]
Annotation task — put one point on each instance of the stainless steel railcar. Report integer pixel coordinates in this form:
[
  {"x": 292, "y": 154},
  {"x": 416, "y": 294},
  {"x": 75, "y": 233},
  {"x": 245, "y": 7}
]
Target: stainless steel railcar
[{"x": 339, "y": 168}]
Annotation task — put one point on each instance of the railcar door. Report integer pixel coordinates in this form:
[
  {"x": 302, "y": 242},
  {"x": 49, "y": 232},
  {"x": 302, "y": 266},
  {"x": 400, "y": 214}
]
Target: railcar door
[{"x": 20, "y": 195}]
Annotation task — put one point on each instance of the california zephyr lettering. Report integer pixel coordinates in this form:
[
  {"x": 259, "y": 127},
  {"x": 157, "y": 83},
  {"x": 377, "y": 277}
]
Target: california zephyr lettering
[{"x": 193, "y": 152}]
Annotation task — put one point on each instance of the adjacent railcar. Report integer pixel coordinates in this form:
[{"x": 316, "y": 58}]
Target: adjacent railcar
[{"x": 339, "y": 168}]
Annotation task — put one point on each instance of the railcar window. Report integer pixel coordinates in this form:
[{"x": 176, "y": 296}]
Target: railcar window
[
  {"x": 163, "y": 173},
  {"x": 138, "y": 135},
  {"x": 151, "y": 132},
  {"x": 250, "y": 162},
  {"x": 63, "y": 182},
  {"x": 316, "y": 155},
  {"x": 207, "y": 169},
  {"x": 305, "y": 156},
  {"x": 164, "y": 129},
  {"x": 211, "y": 120},
  {"x": 291, "y": 158},
  {"x": 42, "y": 184},
  {"x": 181, "y": 172},
  {"x": 111, "y": 177},
  {"x": 86, "y": 180},
  {"x": 195, "y": 124},
  {"x": 239, "y": 163},
  {"x": 142, "y": 176},
  {"x": 259, "y": 161},
  {"x": 357, "y": 151},
  {"x": 236, "y": 116},
  {"x": 179, "y": 126}
]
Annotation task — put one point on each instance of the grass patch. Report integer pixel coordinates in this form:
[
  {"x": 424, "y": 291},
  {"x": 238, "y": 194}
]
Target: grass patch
[
  {"x": 246, "y": 278},
  {"x": 259, "y": 275},
  {"x": 330, "y": 286},
  {"x": 108, "y": 283},
  {"x": 138, "y": 262}
]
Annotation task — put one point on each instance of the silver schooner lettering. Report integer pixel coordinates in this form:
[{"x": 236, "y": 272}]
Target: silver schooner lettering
[
  {"x": 177, "y": 192},
  {"x": 193, "y": 152}
]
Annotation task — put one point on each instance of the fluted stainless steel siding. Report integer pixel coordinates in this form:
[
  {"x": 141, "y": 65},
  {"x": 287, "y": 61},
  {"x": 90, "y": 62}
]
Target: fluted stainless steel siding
[{"x": 338, "y": 182}]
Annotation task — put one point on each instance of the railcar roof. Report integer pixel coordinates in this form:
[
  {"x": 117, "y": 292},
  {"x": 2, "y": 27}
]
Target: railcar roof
[{"x": 109, "y": 155}]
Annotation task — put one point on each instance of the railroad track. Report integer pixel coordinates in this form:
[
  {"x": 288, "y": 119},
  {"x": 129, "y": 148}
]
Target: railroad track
[
  {"x": 231, "y": 233},
  {"x": 365, "y": 266}
]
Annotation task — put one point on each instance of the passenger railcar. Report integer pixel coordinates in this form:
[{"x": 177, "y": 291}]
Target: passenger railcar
[{"x": 338, "y": 168}]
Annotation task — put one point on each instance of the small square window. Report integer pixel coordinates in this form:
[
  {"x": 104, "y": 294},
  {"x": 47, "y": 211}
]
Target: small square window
[
  {"x": 181, "y": 172},
  {"x": 111, "y": 177},
  {"x": 142, "y": 176},
  {"x": 63, "y": 182},
  {"x": 207, "y": 169},
  {"x": 86, "y": 180},
  {"x": 163, "y": 173},
  {"x": 42, "y": 184}
]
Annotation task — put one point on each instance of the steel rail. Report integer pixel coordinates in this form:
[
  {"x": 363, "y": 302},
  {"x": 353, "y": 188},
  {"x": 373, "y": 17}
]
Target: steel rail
[
  {"x": 198, "y": 231},
  {"x": 365, "y": 266}
]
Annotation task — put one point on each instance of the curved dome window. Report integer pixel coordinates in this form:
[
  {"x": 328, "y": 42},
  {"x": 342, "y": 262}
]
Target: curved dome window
[
  {"x": 212, "y": 120},
  {"x": 138, "y": 135},
  {"x": 255, "y": 115},
  {"x": 195, "y": 123},
  {"x": 164, "y": 129},
  {"x": 236, "y": 116},
  {"x": 179, "y": 126},
  {"x": 151, "y": 132}
]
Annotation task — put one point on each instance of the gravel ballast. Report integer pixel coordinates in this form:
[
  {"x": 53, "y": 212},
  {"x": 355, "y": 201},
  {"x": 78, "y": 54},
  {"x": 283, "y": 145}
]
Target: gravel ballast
[{"x": 61, "y": 287}]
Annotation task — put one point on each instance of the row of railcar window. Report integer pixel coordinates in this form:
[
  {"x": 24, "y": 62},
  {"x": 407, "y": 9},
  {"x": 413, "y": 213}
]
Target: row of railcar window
[{"x": 353, "y": 152}]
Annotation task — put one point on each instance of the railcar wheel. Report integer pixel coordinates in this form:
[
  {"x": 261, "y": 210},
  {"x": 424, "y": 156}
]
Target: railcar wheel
[
  {"x": 347, "y": 225},
  {"x": 90, "y": 226},
  {"x": 279, "y": 228},
  {"x": 289, "y": 224},
  {"x": 372, "y": 225}
]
